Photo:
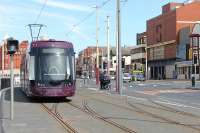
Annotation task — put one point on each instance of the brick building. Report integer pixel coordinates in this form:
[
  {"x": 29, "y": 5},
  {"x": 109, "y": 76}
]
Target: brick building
[
  {"x": 163, "y": 38},
  {"x": 86, "y": 60},
  {"x": 141, "y": 38},
  {"x": 5, "y": 59}
]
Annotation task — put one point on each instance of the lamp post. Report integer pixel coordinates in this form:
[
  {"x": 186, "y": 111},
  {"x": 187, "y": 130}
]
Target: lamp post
[
  {"x": 146, "y": 65},
  {"x": 97, "y": 46},
  {"x": 108, "y": 44},
  {"x": 195, "y": 55}
]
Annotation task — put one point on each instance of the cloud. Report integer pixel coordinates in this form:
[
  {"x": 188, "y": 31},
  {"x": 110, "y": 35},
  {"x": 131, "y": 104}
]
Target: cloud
[
  {"x": 65, "y": 5},
  {"x": 29, "y": 10}
]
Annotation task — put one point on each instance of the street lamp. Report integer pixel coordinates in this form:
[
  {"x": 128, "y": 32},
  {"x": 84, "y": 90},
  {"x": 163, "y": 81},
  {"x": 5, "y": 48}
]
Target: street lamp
[
  {"x": 195, "y": 55},
  {"x": 146, "y": 65},
  {"x": 12, "y": 47}
]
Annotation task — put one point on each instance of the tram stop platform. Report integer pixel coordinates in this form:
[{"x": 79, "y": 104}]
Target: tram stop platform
[{"x": 29, "y": 117}]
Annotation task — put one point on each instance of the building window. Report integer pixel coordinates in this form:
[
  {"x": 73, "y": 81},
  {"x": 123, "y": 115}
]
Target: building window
[{"x": 158, "y": 33}]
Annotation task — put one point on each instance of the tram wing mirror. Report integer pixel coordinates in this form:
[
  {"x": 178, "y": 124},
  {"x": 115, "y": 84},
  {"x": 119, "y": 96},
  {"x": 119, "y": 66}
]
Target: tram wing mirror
[{"x": 12, "y": 46}]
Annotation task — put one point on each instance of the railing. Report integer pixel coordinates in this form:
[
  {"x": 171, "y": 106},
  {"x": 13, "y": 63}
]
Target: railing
[{"x": 2, "y": 96}]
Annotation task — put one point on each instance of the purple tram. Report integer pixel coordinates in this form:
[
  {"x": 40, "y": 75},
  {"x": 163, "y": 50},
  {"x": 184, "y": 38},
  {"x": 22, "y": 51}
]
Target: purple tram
[{"x": 48, "y": 69}]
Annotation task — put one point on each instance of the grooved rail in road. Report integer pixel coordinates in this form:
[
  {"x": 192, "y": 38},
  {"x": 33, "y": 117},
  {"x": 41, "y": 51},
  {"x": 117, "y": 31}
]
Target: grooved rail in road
[
  {"x": 91, "y": 112},
  {"x": 58, "y": 118}
]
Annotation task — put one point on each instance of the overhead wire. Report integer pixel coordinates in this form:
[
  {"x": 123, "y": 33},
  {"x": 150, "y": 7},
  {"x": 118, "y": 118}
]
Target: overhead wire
[
  {"x": 124, "y": 2},
  {"x": 41, "y": 10},
  {"x": 87, "y": 17}
]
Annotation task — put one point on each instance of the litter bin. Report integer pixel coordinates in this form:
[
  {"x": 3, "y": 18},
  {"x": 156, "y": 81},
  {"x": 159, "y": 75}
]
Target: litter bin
[{"x": 193, "y": 81}]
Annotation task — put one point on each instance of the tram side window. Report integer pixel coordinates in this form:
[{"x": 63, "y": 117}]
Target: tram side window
[
  {"x": 32, "y": 68},
  {"x": 73, "y": 68}
]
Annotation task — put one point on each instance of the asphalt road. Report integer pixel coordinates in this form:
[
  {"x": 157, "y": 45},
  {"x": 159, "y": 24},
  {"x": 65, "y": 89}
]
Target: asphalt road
[
  {"x": 144, "y": 107},
  {"x": 158, "y": 99},
  {"x": 174, "y": 92}
]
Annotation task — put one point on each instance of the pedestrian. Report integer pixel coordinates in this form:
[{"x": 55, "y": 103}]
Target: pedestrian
[
  {"x": 84, "y": 78},
  {"x": 101, "y": 78}
]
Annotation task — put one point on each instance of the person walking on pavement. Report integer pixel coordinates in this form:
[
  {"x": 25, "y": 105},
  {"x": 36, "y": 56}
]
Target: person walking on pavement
[{"x": 101, "y": 78}]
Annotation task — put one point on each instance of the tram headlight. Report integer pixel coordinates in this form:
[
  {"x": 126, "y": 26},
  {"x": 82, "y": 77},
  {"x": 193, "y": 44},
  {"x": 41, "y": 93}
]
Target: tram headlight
[{"x": 40, "y": 85}]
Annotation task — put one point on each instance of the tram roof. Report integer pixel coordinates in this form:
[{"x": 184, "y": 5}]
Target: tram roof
[{"x": 51, "y": 43}]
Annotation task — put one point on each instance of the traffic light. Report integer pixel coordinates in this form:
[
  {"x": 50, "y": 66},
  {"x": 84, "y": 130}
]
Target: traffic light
[
  {"x": 195, "y": 59},
  {"x": 12, "y": 46},
  {"x": 123, "y": 63},
  {"x": 104, "y": 65}
]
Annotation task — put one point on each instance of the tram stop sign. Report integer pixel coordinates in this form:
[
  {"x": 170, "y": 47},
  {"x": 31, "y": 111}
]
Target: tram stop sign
[{"x": 12, "y": 46}]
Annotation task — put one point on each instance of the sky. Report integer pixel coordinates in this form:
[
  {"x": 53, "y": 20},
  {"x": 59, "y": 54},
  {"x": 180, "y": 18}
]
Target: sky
[{"x": 63, "y": 19}]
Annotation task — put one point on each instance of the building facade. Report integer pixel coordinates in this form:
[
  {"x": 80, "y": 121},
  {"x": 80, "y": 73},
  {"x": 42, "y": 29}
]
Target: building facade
[
  {"x": 138, "y": 54},
  {"x": 164, "y": 45},
  {"x": 5, "y": 59},
  {"x": 86, "y": 61}
]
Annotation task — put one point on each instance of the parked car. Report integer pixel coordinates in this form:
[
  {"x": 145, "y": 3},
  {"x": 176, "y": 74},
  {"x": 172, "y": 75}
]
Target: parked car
[
  {"x": 112, "y": 77},
  {"x": 138, "y": 77},
  {"x": 16, "y": 80},
  {"x": 127, "y": 77}
]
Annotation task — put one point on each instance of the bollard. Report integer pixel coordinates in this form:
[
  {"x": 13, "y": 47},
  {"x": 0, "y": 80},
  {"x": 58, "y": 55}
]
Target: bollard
[{"x": 193, "y": 81}]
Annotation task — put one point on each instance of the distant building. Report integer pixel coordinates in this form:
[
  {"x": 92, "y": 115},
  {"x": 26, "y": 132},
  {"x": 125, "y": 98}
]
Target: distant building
[
  {"x": 86, "y": 61},
  {"x": 141, "y": 38},
  {"x": 138, "y": 57},
  {"x": 5, "y": 59},
  {"x": 126, "y": 60},
  {"x": 165, "y": 47},
  {"x": 138, "y": 54}
]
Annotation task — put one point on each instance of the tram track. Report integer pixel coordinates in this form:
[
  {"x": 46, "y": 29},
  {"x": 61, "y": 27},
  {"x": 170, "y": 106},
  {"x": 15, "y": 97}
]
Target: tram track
[
  {"x": 173, "y": 110},
  {"x": 85, "y": 108},
  {"x": 136, "y": 109},
  {"x": 59, "y": 119},
  {"x": 163, "y": 118}
]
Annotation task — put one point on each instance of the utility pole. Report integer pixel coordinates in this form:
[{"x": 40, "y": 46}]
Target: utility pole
[
  {"x": 108, "y": 44},
  {"x": 119, "y": 62},
  {"x": 97, "y": 47},
  {"x": 102, "y": 60},
  {"x": 146, "y": 70}
]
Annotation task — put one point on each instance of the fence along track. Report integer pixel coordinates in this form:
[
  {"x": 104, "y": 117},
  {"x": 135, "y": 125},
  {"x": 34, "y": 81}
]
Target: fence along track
[
  {"x": 95, "y": 115},
  {"x": 162, "y": 118},
  {"x": 59, "y": 119}
]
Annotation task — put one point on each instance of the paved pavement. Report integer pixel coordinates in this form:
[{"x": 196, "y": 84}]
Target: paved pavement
[
  {"x": 153, "y": 105},
  {"x": 29, "y": 117}
]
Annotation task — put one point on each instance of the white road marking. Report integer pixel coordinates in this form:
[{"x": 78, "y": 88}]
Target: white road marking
[
  {"x": 136, "y": 98},
  {"x": 141, "y": 84},
  {"x": 93, "y": 89},
  {"x": 176, "y": 100},
  {"x": 178, "y": 105},
  {"x": 168, "y": 102}
]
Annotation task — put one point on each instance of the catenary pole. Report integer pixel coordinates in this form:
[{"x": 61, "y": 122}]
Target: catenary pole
[
  {"x": 108, "y": 44},
  {"x": 97, "y": 47},
  {"x": 119, "y": 63}
]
